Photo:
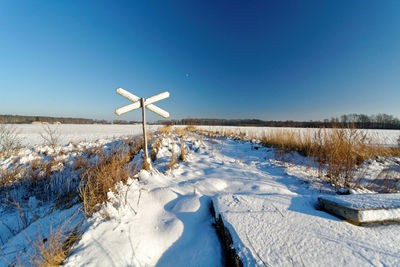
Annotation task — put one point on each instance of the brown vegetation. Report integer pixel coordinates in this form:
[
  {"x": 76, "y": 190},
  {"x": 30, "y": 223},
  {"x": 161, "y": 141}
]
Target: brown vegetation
[
  {"x": 53, "y": 250},
  {"x": 9, "y": 140},
  {"x": 9, "y": 176},
  {"x": 165, "y": 130},
  {"x": 173, "y": 161},
  {"x": 182, "y": 156},
  {"x": 337, "y": 151},
  {"x": 101, "y": 176}
]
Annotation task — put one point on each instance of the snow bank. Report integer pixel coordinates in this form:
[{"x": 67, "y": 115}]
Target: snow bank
[{"x": 363, "y": 208}]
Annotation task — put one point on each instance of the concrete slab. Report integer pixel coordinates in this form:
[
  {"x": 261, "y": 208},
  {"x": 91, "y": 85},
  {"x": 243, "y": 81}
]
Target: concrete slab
[{"x": 363, "y": 208}]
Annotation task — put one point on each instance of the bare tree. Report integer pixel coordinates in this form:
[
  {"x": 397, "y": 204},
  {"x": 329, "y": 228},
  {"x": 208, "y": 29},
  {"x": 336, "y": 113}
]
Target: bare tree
[{"x": 51, "y": 136}]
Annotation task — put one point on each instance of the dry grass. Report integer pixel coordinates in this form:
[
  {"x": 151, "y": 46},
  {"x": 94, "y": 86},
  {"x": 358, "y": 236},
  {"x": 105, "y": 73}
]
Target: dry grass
[
  {"x": 182, "y": 156},
  {"x": 146, "y": 165},
  {"x": 155, "y": 148},
  {"x": 80, "y": 163},
  {"x": 288, "y": 141},
  {"x": 134, "y": 145},
  {"x": 172, "y": 163},
  {"x": 100, "y": 177},
  {"x": 165, "y": 130},
  {"x": 191, "y": 129},
  {"x": 181, "y": 131},
  {"x": 53, "y": 250},
  {"x": 337, "y": 152},
  {"x": 9, "y": 176},
  {"x": 41, "y": 170}
]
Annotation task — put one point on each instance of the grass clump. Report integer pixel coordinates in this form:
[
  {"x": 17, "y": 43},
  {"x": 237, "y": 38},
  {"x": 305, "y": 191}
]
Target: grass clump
[
  {"x": 155, "y": 148},
  {"x": 101, "y": 176},
  {"x": 8, "y": 176},
  {"x": 182, "y": 155},
  {"x": 53, "y": 250},
  {"x": 165, "y": 130},
  {"x": 173, "y": 160}
]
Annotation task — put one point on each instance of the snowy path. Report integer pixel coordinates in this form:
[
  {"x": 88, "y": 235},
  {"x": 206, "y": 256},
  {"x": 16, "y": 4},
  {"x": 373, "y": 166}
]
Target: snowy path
[{"x": 164, "y": 220}]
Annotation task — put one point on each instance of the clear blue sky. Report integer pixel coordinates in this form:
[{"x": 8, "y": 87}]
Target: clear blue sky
[{"x": 277, "y": 60}]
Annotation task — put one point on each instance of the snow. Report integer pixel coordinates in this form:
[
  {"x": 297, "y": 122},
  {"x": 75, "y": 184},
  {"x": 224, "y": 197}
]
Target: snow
[
  {"x": 163, "y": 217},
  {"x": 286, "y": 230},
  {"x": 163, "y": 227},
  {"x": 367, "y": 207},
  {"x": 24, "y": 245},
  {"x": 367, "y": 201},
  {"x": 30, "y": 134},
  {"x": 270, "y": 214}
]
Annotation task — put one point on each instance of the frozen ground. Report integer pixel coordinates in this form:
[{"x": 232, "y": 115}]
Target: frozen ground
[
  {"x": 30, "y": 134},
  {"x": 163, "y": 218}
]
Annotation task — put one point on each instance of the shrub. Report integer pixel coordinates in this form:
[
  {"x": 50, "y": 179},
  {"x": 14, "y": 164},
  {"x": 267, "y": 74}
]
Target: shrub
[
  {"x": 9, "y": 139},
  {"x": 51, "y": 136}
]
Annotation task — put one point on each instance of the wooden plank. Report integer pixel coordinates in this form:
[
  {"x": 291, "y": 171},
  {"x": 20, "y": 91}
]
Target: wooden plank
[{"x": 127, "y": 108}]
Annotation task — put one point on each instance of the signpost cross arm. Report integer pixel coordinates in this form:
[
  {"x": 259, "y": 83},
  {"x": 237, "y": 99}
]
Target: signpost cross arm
[{"x": 143, "y": 103}]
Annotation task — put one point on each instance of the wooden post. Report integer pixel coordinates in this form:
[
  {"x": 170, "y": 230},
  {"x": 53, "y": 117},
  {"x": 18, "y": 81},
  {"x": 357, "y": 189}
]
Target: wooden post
[
  {"x": 146, "y": 155},
  {"x": 137, "y": 103}
]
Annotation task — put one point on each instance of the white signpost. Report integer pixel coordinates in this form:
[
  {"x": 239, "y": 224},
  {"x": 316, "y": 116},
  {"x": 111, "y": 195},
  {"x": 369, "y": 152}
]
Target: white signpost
[{"x": 143, "y": 103}]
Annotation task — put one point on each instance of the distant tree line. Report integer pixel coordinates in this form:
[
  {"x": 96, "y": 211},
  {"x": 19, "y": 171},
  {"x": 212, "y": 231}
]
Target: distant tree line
[
  {"x": 124, "y": 122},
  {"x": 362, "y": 121},
  {"x": 378, "y": 121},
  {"x": 17, "y": 119}
]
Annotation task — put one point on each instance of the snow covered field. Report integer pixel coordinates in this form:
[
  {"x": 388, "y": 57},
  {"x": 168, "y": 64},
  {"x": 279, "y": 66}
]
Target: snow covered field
[
  {"x": 163, "y": 218},
  {"x": 30, "y": 134}
]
